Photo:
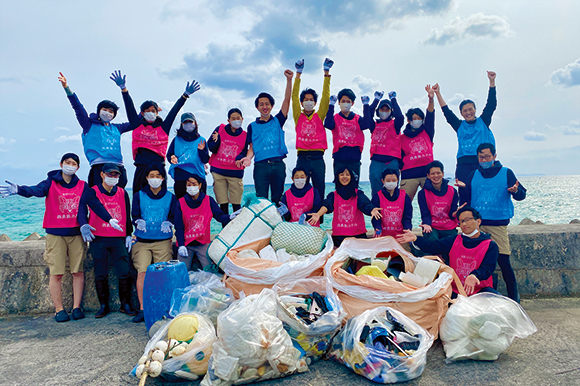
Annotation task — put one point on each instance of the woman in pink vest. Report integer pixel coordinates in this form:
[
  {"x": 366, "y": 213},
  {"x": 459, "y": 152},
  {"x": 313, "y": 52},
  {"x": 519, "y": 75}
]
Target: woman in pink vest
[
  {"x": 192, "y": 216},
  {"x": 349, "y": 205},
  {"x": 301, "y": 198},
  {"x": 229, "y": 146},
  {"x": 473, "y": 255},
  {"x": 396, "y": 207}
]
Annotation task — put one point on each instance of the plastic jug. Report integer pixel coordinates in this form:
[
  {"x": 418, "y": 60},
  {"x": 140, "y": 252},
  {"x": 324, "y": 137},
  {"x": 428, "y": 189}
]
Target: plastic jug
[{"x": 160, "y": 281}]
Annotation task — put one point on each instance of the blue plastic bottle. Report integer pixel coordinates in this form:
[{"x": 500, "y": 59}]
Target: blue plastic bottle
[{"x": 160, "y": 281}]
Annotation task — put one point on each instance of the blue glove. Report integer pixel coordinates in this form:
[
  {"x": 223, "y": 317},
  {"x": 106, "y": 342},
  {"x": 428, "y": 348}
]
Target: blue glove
[
  {"x": 9, "y": 190},
  {"x": 379, "y": 95},
  {"x": 328, "y": 63},
  {"x": 392, "y": 94},
  {"x": 378, "y": 232},
  {"x": 299, "y": 66},
  {"x": 302, "y": 219},
  {"x": 87, "y": 234},
  {"x": 191, "y": 88},
  {"x": 141, "y": 225},
  {"x": 282, "y": 209},
  {"x": 128, "y": 243},
  {"x": 114, "y": 223},
  {"x": 235, "y": 214},
  {"x": 118, "y": 79},
  {"x": 333, "y": 99},
  {"x": 365, "y": 99},
  {"x": 166, "y": 226},
  {"x": 182, "y": 251}
]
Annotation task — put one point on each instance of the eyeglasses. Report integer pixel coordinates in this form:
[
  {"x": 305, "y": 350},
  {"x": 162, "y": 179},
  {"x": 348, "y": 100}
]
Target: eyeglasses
[
  {"x": 466, "y": 220},
  {"x": 486, "y": 157}
]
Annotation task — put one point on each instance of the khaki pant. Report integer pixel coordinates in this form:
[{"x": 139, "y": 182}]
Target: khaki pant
[
  {"x": 498, "y": 234},
  {"x": 411, "y": 185},
  {"x": 58, "y": 248},
  {"x": 227, "y": 189},
  {"x": 145, "y": 254}
]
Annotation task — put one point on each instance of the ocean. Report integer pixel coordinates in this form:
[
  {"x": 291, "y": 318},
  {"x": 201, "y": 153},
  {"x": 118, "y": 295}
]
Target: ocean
[{"x": 550, "y": 199}]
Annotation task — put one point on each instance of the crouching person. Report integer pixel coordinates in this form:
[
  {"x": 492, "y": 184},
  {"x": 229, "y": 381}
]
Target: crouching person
[
  {"x": 193, "y": 214},
  {"x": 152, "y": 216}
]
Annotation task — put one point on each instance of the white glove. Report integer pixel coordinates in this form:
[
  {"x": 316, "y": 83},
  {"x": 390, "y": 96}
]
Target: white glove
[
  {"x": 392, "y": 94},
  {"x": 299, "y": 66},
  {"x": 235, "y": 214},
  {"x": 182, "y": 251},
  {"x": 128, "y": 243},
  {"x": 282, "y": 209},
  {"x": 379, "y": 95},
  {"x": 166, "y": 226},
  {"x": 9, "y": 190},
  {"x": 114, "y": 223},
  {"x": 141, "y": 225},
  {"x": 333, "y": 99},
  {"x": 87, "y": 234},
  {"x": 365, "y": 99}
]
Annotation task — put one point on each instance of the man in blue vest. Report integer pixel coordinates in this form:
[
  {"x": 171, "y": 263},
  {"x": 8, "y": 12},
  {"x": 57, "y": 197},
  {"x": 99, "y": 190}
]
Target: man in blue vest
[{"x": 489, "y": 190}]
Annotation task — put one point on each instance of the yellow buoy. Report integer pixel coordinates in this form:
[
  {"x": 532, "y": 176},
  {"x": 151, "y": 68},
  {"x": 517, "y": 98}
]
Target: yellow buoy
[{"x": 183, "y": 328}]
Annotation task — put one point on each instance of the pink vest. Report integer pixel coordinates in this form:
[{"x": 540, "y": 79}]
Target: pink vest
[
  {"x": 230, "y": 147},
  {"x": 115, "y": 205},
  {"x": 348, "y": 220},
  {"x": 310, "y": 134},
  {"x": 347, "y": 133},
  {"x": 196, "y": 221},
  {"x": 418, "y": 150},
  {"x": 385, "y": 140},
  {"x": 439, "y": 207},
  {"x": 464, "y": 261},
  {"x": 152, "y": 138},
  {"x": 392, "y": 220},
  {"x": 300, "y": 205},
  {"x": 62, "y": 206}
]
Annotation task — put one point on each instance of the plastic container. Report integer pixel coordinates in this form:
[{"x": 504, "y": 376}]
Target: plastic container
[{"x": 160, "y": 281}]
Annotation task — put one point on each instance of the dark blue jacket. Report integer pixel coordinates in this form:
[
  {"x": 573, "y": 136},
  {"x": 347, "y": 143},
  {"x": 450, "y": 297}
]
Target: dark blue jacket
[
  {"x": 136, "y": 206},
  {"x": 316, "y": 202},
  {"x": 407, "y": 211},
  {"x": 86, "y": 120},
  {"x": 180, "y": 174},
  {"x": 90, "y": 200},
  {"x": 399, "y": 118},
  {"x": 214, "y": 146},
  {"x": 429, "y": 127},
  {"x": 425, "y": 211},
  {"x": 178, "y": 216},
  {"x": 348, "y": 153}
]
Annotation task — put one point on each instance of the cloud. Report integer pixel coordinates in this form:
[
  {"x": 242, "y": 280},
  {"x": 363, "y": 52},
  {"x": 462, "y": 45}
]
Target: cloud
[
  {"x": 568, "y": 76},
  {"x": 366, "y": 86},
  {"x": 535, "y": 136},
  {"x": 61, "y": 128},
  {"x": 41, "y": 140},
  {"x": 572, "y": 128},
  {"x": 2, "y": 140},
  {"x": 475, "y": 26},
  {"x": 69, "y": 138},
  {"x": 10, "y": 79}
]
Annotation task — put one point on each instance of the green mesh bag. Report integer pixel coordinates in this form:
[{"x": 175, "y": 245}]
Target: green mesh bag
[{"x": 298, "y": 239}]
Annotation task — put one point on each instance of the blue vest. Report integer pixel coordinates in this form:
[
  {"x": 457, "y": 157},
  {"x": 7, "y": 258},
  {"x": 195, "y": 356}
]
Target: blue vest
[
  {"x": 490, "y": 196},
  {"x": 268, "y": 140},
  {"x": 470, "y": 136},
  {"x": 103, "y": 143},
  {"x": 187, "y": 157},
  {"x": 154, "y": 212}
]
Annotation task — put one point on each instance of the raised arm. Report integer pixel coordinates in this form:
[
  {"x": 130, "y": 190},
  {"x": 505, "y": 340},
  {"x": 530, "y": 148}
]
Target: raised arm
[
  {"x": 170, "y": 118},
  {"x": 288, "y": 93},
  {"x": 324, "y": 99},
  {"x": 80, "y": 112},
  {"x": 397, "y": 112},
  {"x": 491, "y": 103},
  {"x": 296, "y": 107},
  {"x": 449, "y": 115},
  {"x": 329, "y": 119},
  {"x": 121, "y": 80}
]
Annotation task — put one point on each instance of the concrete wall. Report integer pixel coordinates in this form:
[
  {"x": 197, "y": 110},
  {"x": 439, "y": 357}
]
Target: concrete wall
[{"x": 546, "y": 259}]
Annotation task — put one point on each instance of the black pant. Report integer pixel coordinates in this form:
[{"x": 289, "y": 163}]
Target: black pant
[
  {"x": 180, "y": 188},
  {"x": 316, "y": 170},
  {"x": 463, "y": 171},
  {"x": 509, "y": 276},
  {"x": 103, "y": 247},
  {"x": 95, "y": 176},
  {"x": 140, "y": 178},
  {"x": 270, "y": 176}
]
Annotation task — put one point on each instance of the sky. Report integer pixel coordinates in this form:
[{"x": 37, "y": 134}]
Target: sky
[{"x": 236, "y": 49}]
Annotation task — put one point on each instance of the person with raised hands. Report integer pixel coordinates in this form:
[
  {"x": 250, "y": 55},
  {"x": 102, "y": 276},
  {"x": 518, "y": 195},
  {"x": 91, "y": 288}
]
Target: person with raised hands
[
  {"x": 101, "y": 137},
  {"x": 311, "y": 140},
  {"x": 385, "y": 138},
  {"x": 150, "y": 131},
  {"x": 65, "y": 238}
]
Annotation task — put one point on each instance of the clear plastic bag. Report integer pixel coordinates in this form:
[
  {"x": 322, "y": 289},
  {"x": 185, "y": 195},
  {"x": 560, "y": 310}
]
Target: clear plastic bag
[
  {"x": 482, "y": 326},
  {"x": 312, "y": 340},
  {"x": 191, "y": 364},
  {"x": 372, "y": 362},
  {"x": 252, "y": 344}
]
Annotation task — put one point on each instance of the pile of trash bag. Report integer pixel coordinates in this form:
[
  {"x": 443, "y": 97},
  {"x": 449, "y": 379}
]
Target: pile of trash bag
[
  {"x": 482, "y": 326},
  {"x": 383, "y": 345}
]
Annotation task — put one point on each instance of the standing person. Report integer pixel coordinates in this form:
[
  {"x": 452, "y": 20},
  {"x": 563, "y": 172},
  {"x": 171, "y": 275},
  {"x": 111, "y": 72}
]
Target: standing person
[
  {"x": 417, "y": 146},
  {"x": 106, "y": 240},
  {"x": 150, "y": 131},
  {"x": 101, "y": 138},
  {"x": 347, "y": 132},
  {"x": 385, "y": 138},
  {"x": 310, "y": 133},
  {"x": 472, "y": 255},
  {"x": 490, "y": 190},
  {"x": 152, "y": 214},
  {"x": 193, "y": 214},
  {"x": 349, "y": 206},
  {"x": 229, "y": 145},
  {"x": 188, "y": 155},
  {"x": 267, "y": 144},
  {"x": 63, "y": 191},
  {"x": 301, "y": 198},
  {"x": 396, "y": 207},
  {"x": 471, "y": 131}
]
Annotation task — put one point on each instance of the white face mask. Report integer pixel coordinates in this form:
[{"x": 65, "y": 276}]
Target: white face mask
[
  {"x": 236, "y": 124},
  {"x": 384, "y": 115},
  {"x": 111, "y": 181},
  {"x": 391, "y": 185},
  {"x": 69, "y": 170},
  {"x": 472, "y": 233},
  {"x": 106, "y": 116},
  {"x": 416, "y": 123},
  {"x": 149, "y": 116},
  {"x": 345, "y": 108},
  {"x": 192, "y": 190},
  {"x": 155, "y": 182},
  {"x": 189, "y": 126},
  {"x": 300, "y": 182},
  {"x": 308, "y": 105}
]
